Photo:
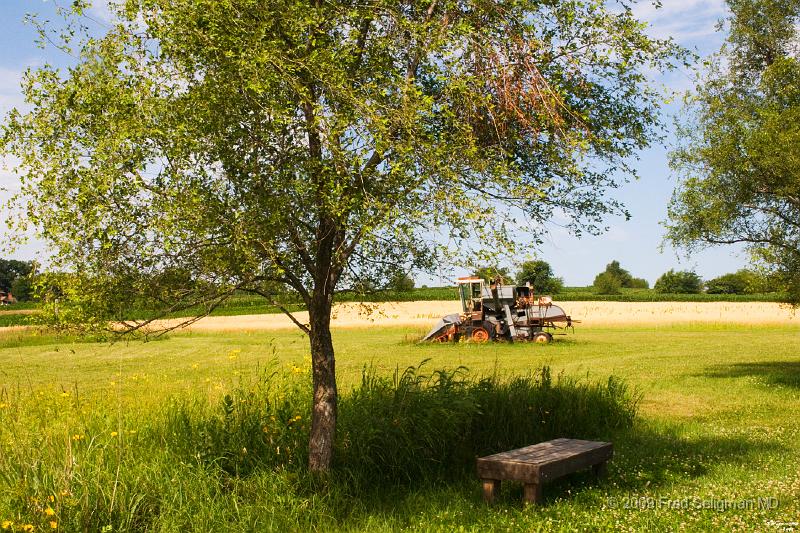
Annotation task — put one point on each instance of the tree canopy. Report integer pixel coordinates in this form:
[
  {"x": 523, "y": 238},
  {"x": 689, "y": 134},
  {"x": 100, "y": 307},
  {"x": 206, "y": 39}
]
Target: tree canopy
[
  {"x": 11, "y": 270},
  {"x": 540, "y": 275},
  {"x": 625, "y": 279},
  {"x": 491, "y": 273},
  {"x": 739, "y": 157},
  {"x": 679, "y": 282},
  {"x": 740, "y": 282},
  {"x": 200, "y": 147}
]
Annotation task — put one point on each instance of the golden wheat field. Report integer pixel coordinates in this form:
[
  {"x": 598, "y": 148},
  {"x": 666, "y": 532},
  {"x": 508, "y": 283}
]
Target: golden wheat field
[{"x": 426, "y": 313}]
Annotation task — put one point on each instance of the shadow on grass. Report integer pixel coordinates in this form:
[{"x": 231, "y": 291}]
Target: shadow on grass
[
  {"x": 645, "y": 458},
  {"x": 786, "y": 373}
]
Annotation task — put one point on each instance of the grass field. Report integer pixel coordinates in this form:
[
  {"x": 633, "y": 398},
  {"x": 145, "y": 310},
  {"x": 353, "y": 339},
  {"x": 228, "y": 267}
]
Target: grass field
[{"x": 718, "y": 425}]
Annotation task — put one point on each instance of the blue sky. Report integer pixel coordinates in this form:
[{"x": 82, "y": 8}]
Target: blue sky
[{"x": 634, "y": 243}]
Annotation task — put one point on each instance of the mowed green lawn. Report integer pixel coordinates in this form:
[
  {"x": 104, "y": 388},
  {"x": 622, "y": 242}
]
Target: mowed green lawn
[{"x": 719, "y": 422}]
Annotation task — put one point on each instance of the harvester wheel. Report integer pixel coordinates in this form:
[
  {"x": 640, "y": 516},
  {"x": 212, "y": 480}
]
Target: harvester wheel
[
  {"x": 480, "y": 334},
  {"x": 542, "y": 337}
]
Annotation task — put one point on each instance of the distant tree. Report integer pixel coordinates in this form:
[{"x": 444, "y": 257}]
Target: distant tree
[
  {"x": 11, "y": 269},
  {"x": 607, "y": 283},
  {"x": 540, "y": 275},
  {"x": 744, "y": 281},
  {"x": 766, "y": 281},
  {"x": 739, "y": 149},
  {"x": 22, "y": 288},
  {"x": 740, "y": 282},
  {"x": 615, "y": 270},
  {"x": 364, "y": 286},
  {"x": 639, "y": 283},
  {"x": 680, "y": 282},
  {"x": 490, "y": 273},
  {"x": 402, "y": 282}
]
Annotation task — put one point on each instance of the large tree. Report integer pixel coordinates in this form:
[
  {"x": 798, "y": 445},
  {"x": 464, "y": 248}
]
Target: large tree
[
  {"x": 11, "y": 270},
  {"x": 540, "y": 275},
  {"x": 740, "y": 149},
  {"x": 202, "y": 147}
]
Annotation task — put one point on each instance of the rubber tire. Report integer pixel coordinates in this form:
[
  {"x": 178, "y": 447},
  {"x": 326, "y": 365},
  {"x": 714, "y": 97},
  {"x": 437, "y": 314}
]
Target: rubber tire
[
  {"x": 479, "y": 334},
  {"x": 542, "y": 337}
]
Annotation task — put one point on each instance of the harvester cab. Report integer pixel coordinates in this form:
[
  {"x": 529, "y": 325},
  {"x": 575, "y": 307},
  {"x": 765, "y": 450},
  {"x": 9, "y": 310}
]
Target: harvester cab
[{"x": 499, "y": 311}]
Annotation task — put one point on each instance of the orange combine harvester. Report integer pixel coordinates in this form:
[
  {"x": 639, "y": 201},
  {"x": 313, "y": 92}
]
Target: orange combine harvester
[{"x": 500, "y": 312}]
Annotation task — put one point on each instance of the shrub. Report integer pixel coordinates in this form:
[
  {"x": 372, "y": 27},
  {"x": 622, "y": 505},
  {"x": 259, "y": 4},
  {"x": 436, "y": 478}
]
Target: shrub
[
  {"x": 607, "y": 283},
  {"x": 680, "y": 282},
  {"x": 540, "y": 275},
  {"x": 639, "y": 283}
]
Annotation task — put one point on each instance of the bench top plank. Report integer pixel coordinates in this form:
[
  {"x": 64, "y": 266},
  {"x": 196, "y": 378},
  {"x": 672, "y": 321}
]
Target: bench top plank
[{"x": 544, "y": 461}]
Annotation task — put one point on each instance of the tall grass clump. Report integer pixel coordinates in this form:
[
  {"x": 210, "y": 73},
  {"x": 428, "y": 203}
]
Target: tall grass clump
[
  {"x": 419, "y": 424},
  {"x": 236, "y": 459},
  {"x": 262, "y": 422}
]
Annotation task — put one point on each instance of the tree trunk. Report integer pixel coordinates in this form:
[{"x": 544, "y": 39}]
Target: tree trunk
[{"x": 324, "y": 409}]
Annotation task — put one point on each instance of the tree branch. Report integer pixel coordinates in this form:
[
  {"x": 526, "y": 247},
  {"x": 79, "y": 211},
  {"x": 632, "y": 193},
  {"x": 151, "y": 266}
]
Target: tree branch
[{"x": 285, "y": 311}]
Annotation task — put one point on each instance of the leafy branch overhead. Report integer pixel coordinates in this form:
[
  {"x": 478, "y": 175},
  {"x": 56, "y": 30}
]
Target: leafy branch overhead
[{"x": 254, "y": 145}]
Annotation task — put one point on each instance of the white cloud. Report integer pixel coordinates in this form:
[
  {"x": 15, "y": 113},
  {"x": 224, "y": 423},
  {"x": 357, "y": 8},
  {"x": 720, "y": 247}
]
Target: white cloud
[
  {"x": 685, "y": 21},
  {"x": 102, "y": 11}
]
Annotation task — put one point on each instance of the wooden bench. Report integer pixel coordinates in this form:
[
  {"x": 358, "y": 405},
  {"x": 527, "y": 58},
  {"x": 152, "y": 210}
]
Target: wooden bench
[{"x": 534, "y": 465}]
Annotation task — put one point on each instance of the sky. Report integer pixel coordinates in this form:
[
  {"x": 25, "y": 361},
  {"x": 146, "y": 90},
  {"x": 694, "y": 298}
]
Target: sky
[{"x": 636, "y": 243}]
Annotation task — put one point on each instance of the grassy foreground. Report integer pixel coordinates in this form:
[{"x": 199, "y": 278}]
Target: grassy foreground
[{"x": 717, "y": 430}]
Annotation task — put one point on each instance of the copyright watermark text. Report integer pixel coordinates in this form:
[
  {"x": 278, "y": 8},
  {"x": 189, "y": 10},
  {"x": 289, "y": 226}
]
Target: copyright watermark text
[{"x": 692, "y": 503}]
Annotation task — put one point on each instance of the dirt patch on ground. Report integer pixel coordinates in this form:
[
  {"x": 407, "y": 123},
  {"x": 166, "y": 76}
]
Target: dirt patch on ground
[{"x": 425, "y": 314}]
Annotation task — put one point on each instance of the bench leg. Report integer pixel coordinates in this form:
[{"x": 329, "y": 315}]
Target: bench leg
[
  {"x": 490, "y": 489},
  {"x": 600, "y": 469},
  {"x": 533, "y": 493}
]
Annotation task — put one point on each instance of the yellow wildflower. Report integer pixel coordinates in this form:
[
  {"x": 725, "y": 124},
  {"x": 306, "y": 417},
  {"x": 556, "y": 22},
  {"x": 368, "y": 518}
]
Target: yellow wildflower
[
  {"x": 114, "y": 433},
  {"x": 51, "y": 498},
  {"x": 64, "y": 394},
  {"x": 53, "y": 524},
  {"x": 7, "y": 524},
  {"x": 3, "y": 405},
  {"x": 49, "y": 511},
  {"x": 298, "y": 417},
  {"x": 27, "y": 527},
  {"x": 77, "y": 437}
]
